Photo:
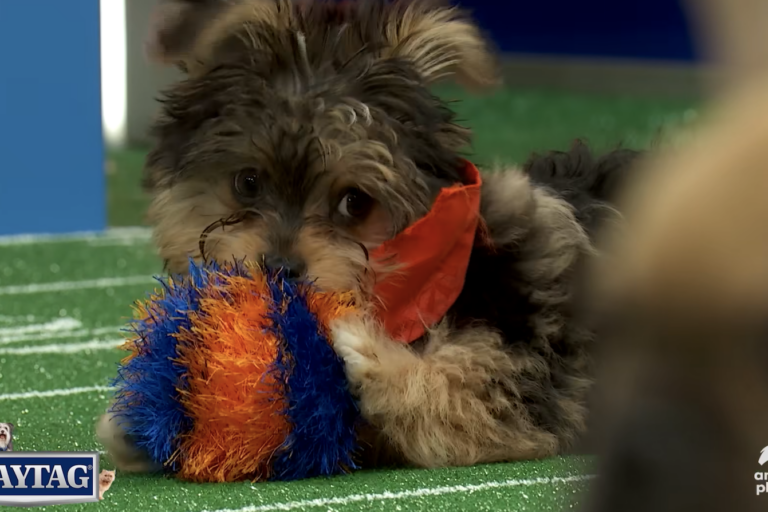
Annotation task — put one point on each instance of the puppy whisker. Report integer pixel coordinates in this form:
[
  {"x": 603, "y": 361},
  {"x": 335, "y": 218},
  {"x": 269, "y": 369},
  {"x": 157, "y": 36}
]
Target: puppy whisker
[
  {"x": 233, "y": 219},
  {"x": 365, "y": 251}
]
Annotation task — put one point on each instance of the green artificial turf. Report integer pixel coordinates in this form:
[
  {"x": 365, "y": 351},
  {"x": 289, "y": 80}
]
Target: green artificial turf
[{"x": 63, "y": 302}]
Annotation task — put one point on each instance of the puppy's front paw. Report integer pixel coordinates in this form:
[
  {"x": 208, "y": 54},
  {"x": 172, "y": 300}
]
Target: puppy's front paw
[
  {"x": 367, "y": 352},
  {"x": 356, "y": 345}
]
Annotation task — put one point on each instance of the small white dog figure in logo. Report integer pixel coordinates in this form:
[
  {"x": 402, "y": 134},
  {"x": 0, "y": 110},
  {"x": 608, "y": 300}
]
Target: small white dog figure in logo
[
  {"x": 106, "y": 478},
  {"x": 763, "y": 456},
  {"x": 6, "y": 437}
]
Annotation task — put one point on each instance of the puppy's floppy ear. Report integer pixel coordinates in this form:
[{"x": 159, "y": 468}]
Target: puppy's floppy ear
[
  {"x": 176, "y": 25},
  {"x": 442, "y": 42},
  {"x": 187, "y": 32}
]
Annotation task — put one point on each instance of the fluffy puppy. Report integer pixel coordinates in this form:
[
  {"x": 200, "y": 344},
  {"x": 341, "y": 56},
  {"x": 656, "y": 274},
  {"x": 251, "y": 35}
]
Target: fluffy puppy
[
  {"x": 6, "y": 437},
  {"x": 683, "y": 386},
  {"x": 305, "y": 134}
]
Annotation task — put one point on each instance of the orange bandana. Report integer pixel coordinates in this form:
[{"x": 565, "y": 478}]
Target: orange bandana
[{"x": 432, "y": 257}]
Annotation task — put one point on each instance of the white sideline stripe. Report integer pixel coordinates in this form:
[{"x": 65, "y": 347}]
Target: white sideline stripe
[
  {"x": 6, "y": 340},
  {"x": 54, "y": 392},
  {"x": 60, "y": 286},
  {"x": 114, "y": 242},
  {"x": 413, "y": 493},
  {"x": 118, "y": 235},
  {"x": 62, "y": 348},
  {"x": 57, "y": 325}
]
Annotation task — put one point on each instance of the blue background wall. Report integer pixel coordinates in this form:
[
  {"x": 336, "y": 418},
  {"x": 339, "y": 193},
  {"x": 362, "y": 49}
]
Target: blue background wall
[
  {"x": 634, "y": 29},
  {"x": 51, "y": 157}
]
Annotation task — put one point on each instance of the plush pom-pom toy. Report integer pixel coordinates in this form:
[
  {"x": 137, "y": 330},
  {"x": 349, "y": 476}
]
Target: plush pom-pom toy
[{"x": 232, "y": 377}]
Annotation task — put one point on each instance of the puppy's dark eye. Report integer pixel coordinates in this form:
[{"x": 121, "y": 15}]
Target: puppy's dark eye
[
  {"x": 246, "y": 184},
  {"x": 355, "y": 204}
]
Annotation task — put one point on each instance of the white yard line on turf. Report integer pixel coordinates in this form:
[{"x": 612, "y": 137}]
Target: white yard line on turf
[
  {"x": 8, "y": 339},
  {"x": 54, "y": 392},
  {"x": 57, "y": 325},
  {"x": 413, "y": 493},
  {"x": 61, "y": 286},
  {"x": 117, "y": 235},
  {"x": 62, "y": 348},
  {"x": 15, "y": 320}
]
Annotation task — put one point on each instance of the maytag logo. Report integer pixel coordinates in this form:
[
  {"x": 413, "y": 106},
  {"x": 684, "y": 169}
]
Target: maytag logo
[{"x": 30, "y": 479}]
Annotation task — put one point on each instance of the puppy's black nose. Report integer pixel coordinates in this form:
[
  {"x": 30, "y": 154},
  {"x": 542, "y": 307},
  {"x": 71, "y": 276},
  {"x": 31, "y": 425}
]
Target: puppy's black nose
[{"x": 290, "y": 268}]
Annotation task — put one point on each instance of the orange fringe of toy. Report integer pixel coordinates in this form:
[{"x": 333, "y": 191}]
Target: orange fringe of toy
[{"x": 235, "y": 407}]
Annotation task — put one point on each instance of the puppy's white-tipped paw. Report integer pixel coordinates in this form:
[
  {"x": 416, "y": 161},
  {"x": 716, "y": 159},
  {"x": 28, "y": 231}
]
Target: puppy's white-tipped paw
[
  {"x": 355, "y": 346},
  {"x": 367, "y": 352}
]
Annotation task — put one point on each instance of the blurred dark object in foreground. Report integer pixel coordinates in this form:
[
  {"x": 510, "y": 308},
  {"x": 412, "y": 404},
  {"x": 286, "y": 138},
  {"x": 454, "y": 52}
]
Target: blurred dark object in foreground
[{"x": 682, "y": 304}]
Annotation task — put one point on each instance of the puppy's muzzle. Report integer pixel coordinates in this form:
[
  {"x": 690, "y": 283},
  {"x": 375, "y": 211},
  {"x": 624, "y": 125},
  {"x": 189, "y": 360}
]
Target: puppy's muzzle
[{"x": 290, "y": 267}]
